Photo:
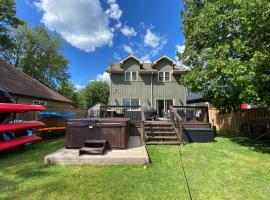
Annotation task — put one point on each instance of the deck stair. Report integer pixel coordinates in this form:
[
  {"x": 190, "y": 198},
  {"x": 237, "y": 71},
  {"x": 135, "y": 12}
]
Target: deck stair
[
  {"x": 94, "y": 147},
  {"x": 160, "y": 132}
]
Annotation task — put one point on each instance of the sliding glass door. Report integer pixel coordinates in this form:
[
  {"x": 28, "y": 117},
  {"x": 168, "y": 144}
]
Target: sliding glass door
[{"x": 163, "y": 106}]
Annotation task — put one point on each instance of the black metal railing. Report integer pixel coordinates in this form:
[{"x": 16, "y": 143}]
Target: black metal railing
[
  {"x": 132, "y": 112},
  {"x": 195, "y": 114}
]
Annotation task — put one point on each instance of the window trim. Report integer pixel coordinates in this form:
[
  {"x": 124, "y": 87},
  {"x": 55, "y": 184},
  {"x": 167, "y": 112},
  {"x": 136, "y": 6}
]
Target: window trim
[
  {"x": 131, "y": 75},
  {"x": 38, "y": 102},
  {"x": 130, "y": 109},
  {"x": 163, "y": 77}
]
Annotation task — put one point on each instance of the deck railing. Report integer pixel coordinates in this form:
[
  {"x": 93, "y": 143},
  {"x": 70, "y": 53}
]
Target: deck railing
[
  {"x": 177, "y": 121},
  {"x": 193, "y": 114},
  {"x": 132, "y": 112}
]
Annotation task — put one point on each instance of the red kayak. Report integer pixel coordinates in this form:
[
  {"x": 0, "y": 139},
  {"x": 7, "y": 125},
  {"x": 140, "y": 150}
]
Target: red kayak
[
  {"x": 10, "y": 144},
  {"x": 12, "y": 107},
  {"x": 20, "y": 126}
]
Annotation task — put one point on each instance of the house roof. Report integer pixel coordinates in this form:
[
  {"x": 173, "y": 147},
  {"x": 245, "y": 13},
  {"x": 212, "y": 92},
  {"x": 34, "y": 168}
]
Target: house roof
[
  {"x": 195, "y": 98},
  {"x": 130, "y": 57},
  {"x": 146, "y": 67},
  {"x": 17, "y": 82},
  {"x": 164, "y": 57}
]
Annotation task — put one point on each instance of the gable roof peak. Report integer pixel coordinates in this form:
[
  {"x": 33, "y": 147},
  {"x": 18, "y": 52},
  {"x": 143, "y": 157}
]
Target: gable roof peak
[
  {"x": 129, "y": 57},
  {"x": 164, "y": 57}
]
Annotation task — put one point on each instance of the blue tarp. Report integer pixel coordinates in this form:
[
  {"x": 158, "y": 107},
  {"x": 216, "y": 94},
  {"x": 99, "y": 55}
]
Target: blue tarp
[{"x": 54, "y": 114}]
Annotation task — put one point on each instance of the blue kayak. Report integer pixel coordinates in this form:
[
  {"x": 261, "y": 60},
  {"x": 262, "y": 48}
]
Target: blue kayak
[{"x": 54, "y": 114}]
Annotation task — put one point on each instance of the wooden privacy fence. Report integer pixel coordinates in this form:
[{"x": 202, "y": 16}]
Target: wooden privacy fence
[
  {"x": 233, "y": 121},
  {"x": 52, "y": 121}
]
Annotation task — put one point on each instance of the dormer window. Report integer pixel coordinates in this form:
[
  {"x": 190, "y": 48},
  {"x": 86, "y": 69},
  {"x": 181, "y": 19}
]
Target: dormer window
[
  {"x": 164, "y": 76},
  {"x": 131, "y": 76}
]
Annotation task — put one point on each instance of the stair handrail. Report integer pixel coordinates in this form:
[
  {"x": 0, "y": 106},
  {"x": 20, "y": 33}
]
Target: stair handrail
[
  {"x": 173, "y": 113},
  {"x": 178, "y": 121}
]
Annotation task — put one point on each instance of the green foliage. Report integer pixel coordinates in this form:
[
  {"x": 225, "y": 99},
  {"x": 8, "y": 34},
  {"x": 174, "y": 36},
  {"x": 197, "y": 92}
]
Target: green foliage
[
  {"x": 68, "y": 90},
  {"x": 8, "y": 19},
  {"x": 96, "y": 92},
  {"x": 227, "y": 49},
  {"x": 36, "y": 52}
]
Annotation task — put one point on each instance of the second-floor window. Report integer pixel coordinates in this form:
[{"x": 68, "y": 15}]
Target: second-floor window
[
  {"x": 164, "y": 76},
  {"x": 131, "y": 76}
]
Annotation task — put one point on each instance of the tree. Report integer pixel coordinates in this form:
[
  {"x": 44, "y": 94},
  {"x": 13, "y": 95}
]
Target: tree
[
  {"x": 68, "y": 90},
  {"x": 36, "y": 52},
  {"x": 96, "y": 92},
  {"x": 227, "y": 47},
  {"x": 8, "y": 20}
]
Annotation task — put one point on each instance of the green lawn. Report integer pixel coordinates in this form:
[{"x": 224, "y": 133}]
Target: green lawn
[{"x": 229, "y": 168}]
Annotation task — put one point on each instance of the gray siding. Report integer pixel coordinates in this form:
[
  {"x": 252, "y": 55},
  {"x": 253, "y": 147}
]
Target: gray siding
[{"x": 142, "y": 88}]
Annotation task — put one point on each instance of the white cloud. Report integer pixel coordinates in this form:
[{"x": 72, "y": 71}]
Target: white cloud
[
  {"x": 155, "y": 42},
  {"x": 128, "y": 49},
  {"x": 114, "y": 11},
  {"x": 79, "y": 87},
  {"x": 111, "y": 1},
  {"x": 82, "y": 23},
  {"x": 116, "y": 56},
  {"x": 150, "y": 45},
  {"x": 103, "y": 77},
  {"x": 180, "y": 48},
  {"x": 151, "y": 39},
  {"x": 128, "y": 31}
]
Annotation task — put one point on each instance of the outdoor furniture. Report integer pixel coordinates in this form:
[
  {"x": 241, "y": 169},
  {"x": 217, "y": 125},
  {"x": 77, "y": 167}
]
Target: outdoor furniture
[
  {"x": 198, "y": 135},
  {"x": 114, "y": 130},
  {"x": 259, "y": 128},
  {"x": 150, "y": 114},
  {"x": 197, "y": 132}
]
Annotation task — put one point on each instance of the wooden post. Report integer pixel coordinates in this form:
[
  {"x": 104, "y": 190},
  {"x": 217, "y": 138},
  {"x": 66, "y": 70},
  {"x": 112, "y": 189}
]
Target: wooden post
[{"x": 143, "y": 125}]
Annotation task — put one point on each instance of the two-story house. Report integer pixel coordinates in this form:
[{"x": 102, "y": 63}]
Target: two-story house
[{"x": 156, "y": 84}]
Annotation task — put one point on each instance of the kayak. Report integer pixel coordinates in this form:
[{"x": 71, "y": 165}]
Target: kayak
[
  {"x": 12, "y": 107},
  {"x": 54, "y": 114},
  {"x": 10, "y": 144},
  {"x": 4, "y": 128}
]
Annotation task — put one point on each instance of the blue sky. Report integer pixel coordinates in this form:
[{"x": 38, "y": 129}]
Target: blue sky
[{"x": 99, "y": 32}]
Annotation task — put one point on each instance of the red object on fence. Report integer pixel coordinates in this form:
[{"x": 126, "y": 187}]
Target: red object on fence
[
  {"x": 12, "y": 107},
  {"x": 244, "y": 106}
]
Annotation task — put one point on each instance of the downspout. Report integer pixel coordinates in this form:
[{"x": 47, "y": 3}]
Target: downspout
[
  {"x": 110, "y": 99},
  {"x": 152, "y": 89}
]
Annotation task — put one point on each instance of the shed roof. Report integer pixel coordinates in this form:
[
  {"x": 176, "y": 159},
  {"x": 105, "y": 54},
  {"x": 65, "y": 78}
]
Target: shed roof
[{"x": 17, "y": 82}]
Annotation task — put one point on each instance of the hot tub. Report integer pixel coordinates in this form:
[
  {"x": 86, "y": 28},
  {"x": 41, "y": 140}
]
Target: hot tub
[{"x": 114, "y": 130}]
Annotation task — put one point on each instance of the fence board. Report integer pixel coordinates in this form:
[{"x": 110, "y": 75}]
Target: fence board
[
  {"x": 233, "y": 121},
  {"x": 51, "y": 121}
]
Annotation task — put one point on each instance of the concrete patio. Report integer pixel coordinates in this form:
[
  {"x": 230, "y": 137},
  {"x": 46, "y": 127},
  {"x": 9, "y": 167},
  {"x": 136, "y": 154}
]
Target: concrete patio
[{"x": 135, "y": 154}]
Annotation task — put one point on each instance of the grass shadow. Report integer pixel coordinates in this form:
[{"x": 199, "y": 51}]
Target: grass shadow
[{"x": 258, "y": 146}]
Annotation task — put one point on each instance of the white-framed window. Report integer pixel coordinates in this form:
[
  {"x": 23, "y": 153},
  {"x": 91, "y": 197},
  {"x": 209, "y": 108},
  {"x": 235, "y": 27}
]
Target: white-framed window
[
  {"x": 131, "y": 76},
  {"x": 37, "y": 102},
  {"x": 164, "y": 76},
  {"x": 131, "y": 102}
]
